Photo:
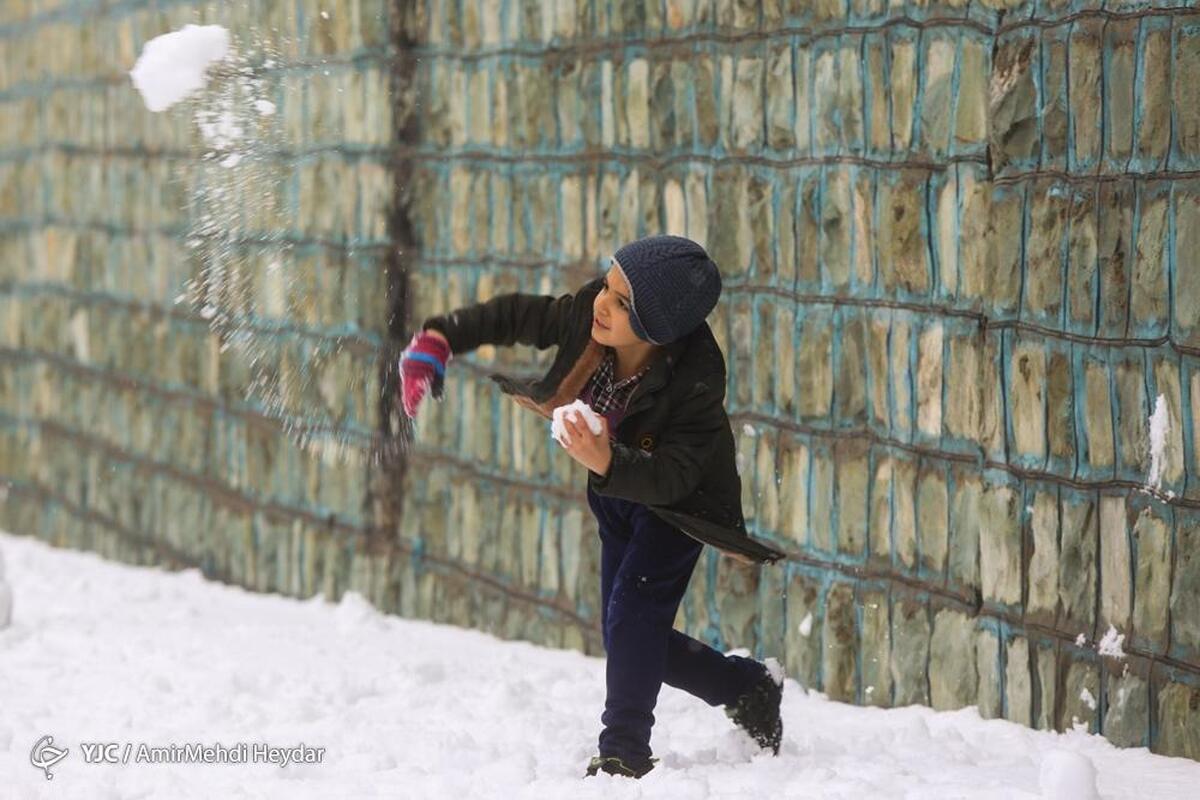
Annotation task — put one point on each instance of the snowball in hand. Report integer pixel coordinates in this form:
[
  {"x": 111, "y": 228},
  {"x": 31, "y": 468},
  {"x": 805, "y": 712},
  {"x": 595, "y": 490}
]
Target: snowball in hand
[
  {"x": 573, "y": 411},
  {"x": 172, "y": 66}
]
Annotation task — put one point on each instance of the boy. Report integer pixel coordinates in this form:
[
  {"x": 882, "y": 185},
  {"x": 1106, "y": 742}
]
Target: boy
[{"x": 662, "y": 479}]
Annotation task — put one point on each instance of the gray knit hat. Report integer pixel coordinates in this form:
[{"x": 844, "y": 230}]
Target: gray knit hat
[{"x": 673, "y": 285}]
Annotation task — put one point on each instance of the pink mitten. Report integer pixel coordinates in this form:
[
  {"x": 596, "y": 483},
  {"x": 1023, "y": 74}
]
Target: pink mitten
[{"x": 422, "y": 365}]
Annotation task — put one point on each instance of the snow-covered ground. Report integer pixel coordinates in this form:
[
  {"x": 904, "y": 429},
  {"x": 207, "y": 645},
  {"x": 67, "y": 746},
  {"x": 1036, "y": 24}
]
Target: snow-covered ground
[{"x": 100, "y": 652}]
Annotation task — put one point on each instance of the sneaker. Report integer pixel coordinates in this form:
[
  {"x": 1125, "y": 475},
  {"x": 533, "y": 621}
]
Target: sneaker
[
  {"x": 757, "y": 711},
  {"x": 616, "y": 766}
]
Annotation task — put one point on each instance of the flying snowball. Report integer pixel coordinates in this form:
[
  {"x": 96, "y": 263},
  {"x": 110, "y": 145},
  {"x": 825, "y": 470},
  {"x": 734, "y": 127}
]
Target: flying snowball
[
  {"x": 573, "y": 411},
  {"x": 172, "y": 66}
]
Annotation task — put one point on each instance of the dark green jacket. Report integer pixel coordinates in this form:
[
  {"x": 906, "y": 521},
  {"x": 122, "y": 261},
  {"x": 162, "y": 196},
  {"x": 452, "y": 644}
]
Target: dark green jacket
[{"x": 674, "y": 450}]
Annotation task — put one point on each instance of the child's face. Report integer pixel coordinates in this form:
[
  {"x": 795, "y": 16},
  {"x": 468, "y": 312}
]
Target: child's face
[{"x": 611, "y": 310}]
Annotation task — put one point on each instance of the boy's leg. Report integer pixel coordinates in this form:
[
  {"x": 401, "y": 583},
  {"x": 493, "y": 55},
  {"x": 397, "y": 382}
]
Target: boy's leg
[
  {"x": 699, "y": 670},
  {"x": 647, "y": 588},
  {"x": 613, "y": 524}
]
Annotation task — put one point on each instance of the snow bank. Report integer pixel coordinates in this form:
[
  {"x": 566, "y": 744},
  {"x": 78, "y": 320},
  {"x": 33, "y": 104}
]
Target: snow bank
[
  {"x": 6, "y": 599},
  {"x": 173, "y": 66},
  {"x": 106, "y": 652}
]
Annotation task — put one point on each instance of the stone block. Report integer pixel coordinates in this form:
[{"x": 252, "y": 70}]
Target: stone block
[
  {"x": 1045, "y": 664},
  {"x": 1127, "y": 708},
  {"x": 964, "y": 396},
  {"x": 803, "y": 122},
  {"x": 1186, "y": 296},
  {"x": 879, "y": 133},
  {"x": 1081, "y": 696},
  {"x": 1055, "y": 102},
  {"x": 1151, "y": 589},
  {"x": 1132, "y": 414},
  {"x": 1185, "y": 589},
  {"x": 1178, "y": 720},
  {"x": 903, "y": 265},
  {"x": 1027, "y": 386},
  {"x": 944, "y": 231},
  {"x": 746, "y": 113},
  {"x": 1043, "y": 588},
  {"x": 953, "y": 679},
  {"x": 1116, "y": 574},
  {"x": 911, "y": 634},
  {"x": 1097, "y": 422},
  {"x": 1085, "y": 71},
  {"x": 1049, "y": 209},
  {"x": 876, "y": 649},
  {"x": 840, "y": 653},
  {"x": 852, "y": 465},
  {"x": 815, "y": 366},
  {"x": 737, "y": 603},
  {"x": 1000, "y": 545},
  {"x": 766, "y": 481},
  {"x": 780, "y": 100},
  {"x": 966, "y": 501},
  {"x": 878, "y": 331},
  {"x": 707, "y": 119},
  {"x": 938, "y": 98},
  {"x": 990, "y": 697},
  {"x": 772, "y": 617},
  {"x": 929, "y": 380},
  {"x": 1005, "y": 257},
  {"x": 821, "y": 502},
  {"x": 1120, "y": 46},
  {"x": 904, "y": 511},
  {"x": 850, "y": 379},
  {"x": 879, "y": 522},
  {"x": 784, "y": 361},
  {"x": 1018, "y": 682},
  {"x": 662, "y": 107},
  {"x": 803, "y": 648},
  {"x": 808, "y": 236},
  {"x": 901, "y": 370},
  {"x": 1115, "y": 227},
  {"x": 970, "y": 123},
  {"x": 824, "y": 100},
  {"x": 836, "y": 227},
  {"x": 1082, "y": 253},
  {"x": 1077, "y": 571},
  {"x": 793, "y": 478},
  {"x": 1150, "y": 297},
  {"x": 1013, "y": 103},
  {"x": 903, "y": 79},
  {"x": 1060, "y": 410},
  {"x": 933, "y": 520}
]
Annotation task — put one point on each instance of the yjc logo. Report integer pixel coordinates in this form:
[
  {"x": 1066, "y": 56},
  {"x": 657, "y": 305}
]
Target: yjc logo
[{"x": 45, "y": 755}]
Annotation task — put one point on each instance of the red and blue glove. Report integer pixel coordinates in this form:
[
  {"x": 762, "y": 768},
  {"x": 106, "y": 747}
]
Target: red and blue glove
[{"x": 423, "y": 365}]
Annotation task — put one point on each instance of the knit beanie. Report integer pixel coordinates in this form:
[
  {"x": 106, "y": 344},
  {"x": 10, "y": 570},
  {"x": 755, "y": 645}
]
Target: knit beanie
[{"x": 673, "y": 285}]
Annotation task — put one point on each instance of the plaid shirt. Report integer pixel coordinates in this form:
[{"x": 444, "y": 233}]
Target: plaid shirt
[{"x": 608, "y": 396}]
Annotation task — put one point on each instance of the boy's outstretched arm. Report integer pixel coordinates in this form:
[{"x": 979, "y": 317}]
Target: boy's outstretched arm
[{"x": 513, "y": 317}]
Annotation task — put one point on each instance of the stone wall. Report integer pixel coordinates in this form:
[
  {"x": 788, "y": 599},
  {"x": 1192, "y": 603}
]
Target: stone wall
[
  {"x": 129, "y": 423},
  {"x": 947, "y": 316},
  {"x": 947, "y": 319}
]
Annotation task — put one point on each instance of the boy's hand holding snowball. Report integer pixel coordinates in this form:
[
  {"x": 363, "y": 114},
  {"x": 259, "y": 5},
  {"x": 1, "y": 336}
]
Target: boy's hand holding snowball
[{"x": 584, "y": 435}]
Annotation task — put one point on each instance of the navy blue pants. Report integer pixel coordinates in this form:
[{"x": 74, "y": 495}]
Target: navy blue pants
[{"x": 645, "y": 565}]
